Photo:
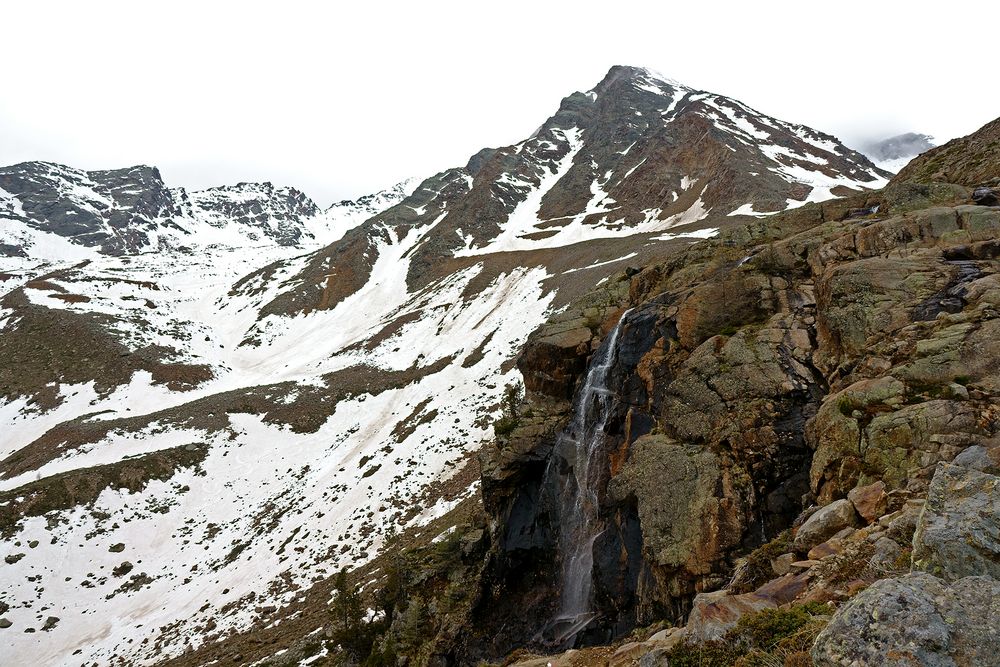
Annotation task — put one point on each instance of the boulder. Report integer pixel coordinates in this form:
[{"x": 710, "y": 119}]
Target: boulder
[
  {"x": 651, "y": 652},
  {"x": 783, "y": 564},
  {"x": 980, "y": 458},
  {"x": 784, "y": 589},
  {"x": 917, "y": 620},
  {"x": 958, "y": 534},
  {"x": 986, "y": 196},
  {"x": 824, "y": 524},
  {"x": 712, "y": 614},
  {"x": 831, "y": 547},
  {"x": 870, "y": 501},
  {"x": 672, "y": 636},
  {"x": 886, "y": 556}
]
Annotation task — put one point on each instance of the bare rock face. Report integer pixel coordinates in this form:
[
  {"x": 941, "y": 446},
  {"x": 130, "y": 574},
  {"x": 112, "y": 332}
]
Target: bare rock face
[
  {"x": 916, "y": 620},
  {"x": 684, "y": 501},
  {"x": 824, "y": 524},
  {"x": 980, "y": 458},
  {"x": 958, "y": 534}
]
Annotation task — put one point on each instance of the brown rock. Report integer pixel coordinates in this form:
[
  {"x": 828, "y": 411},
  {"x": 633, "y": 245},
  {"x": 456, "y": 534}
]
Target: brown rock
[
  {"x": 870, "y": 501},
  {"x": 829, "y": 548},
  {"x": 824, "y": 524},
  {"x": 782, "y": 564},
  {"x": 784, "y": 589},
  {"x": 804, "y": 564},
  {"x": 712, "y": 614},
  {"x": 649, "y": 651}
]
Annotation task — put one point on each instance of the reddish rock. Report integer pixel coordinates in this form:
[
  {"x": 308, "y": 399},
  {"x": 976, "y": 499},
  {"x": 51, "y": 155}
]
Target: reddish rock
[
  {"x": 870, "y": 501},
  {"x": 828, "y": 548},
  {"x": 784, "y": 589},
  {"x": 712, "y": 614}
]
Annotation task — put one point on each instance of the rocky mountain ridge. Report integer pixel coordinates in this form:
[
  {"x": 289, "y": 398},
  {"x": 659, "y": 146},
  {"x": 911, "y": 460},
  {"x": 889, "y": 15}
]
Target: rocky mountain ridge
[{"x": 127, "y": 211}]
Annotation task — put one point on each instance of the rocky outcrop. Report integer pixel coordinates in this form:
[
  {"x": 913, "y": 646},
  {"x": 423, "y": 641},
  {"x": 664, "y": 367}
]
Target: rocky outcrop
[
  {"x": 944, "y": 614},
  {"x": 958, "y": 534},
  {"x": 124, "y": 211},
  {"x": 915, "y": 620}
]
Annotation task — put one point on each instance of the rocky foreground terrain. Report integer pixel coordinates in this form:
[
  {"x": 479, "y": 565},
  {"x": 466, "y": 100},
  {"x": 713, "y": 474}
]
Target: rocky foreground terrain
[{"x": 783, "y": 371}]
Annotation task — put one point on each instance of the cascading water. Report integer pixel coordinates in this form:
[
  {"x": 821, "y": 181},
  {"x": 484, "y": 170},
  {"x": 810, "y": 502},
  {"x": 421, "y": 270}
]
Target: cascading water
[{"x": 577, "y": 480}]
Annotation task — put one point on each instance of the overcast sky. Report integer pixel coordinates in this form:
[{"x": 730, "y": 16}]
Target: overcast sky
[{"x": 348, "y": 98}]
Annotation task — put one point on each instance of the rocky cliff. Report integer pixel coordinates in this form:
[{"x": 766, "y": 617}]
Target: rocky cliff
[{"x": 786, "y": 395}]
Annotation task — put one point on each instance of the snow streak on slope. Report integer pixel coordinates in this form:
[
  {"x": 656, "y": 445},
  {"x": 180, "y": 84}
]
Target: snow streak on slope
[{"x": 267, "y": 504}]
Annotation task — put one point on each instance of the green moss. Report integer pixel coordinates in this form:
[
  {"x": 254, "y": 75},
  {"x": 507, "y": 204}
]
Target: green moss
[{"x": 711, "y": 654}]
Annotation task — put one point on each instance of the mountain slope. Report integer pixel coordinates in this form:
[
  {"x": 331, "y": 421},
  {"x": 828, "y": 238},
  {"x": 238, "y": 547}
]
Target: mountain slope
[
  {"x": 209, "y": 408},
  {"x": 970, "y": 161}
]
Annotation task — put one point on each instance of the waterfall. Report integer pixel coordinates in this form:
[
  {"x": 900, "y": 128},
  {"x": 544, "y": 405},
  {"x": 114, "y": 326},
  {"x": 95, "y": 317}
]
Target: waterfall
[{"x": 576, "y": 485}]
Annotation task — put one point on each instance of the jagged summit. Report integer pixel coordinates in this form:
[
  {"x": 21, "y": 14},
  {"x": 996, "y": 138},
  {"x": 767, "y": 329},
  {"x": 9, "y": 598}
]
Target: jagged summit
[{"x": 130, "y": 210}]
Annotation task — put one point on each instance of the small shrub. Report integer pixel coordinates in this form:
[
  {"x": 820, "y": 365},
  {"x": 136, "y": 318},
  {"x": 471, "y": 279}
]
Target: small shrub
[
  {"x": 509, "y": 419},
  {"x": 756, "y": 570},
  {"x": 504, "y": 426},
  {"x": 766, "y": 628}
]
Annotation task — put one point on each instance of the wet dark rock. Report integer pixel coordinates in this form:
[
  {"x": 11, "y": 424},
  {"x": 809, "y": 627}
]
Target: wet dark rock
[{"x": 986, "y": 196}]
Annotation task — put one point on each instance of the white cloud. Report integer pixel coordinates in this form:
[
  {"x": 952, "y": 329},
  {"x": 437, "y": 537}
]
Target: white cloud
[{"x": 350, "y": 97}]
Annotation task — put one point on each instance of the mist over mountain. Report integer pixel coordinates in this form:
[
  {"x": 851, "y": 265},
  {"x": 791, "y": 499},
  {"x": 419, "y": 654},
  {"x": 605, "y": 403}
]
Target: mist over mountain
[{"x": 893, "y": 153}]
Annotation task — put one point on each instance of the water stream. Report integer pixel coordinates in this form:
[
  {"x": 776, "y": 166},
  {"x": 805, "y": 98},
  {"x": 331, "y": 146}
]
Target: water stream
[{"x": 579, "y": 477}]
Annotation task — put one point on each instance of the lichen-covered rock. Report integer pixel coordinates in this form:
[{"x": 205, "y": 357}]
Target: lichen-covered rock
[
  {"x": 824, "y": 524},
  {"x": 684, "y": 501},
  {"x": 916, "y": 620},
  {"x": 958, "y": 534},
  {"x": 980, "y": 458}
]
